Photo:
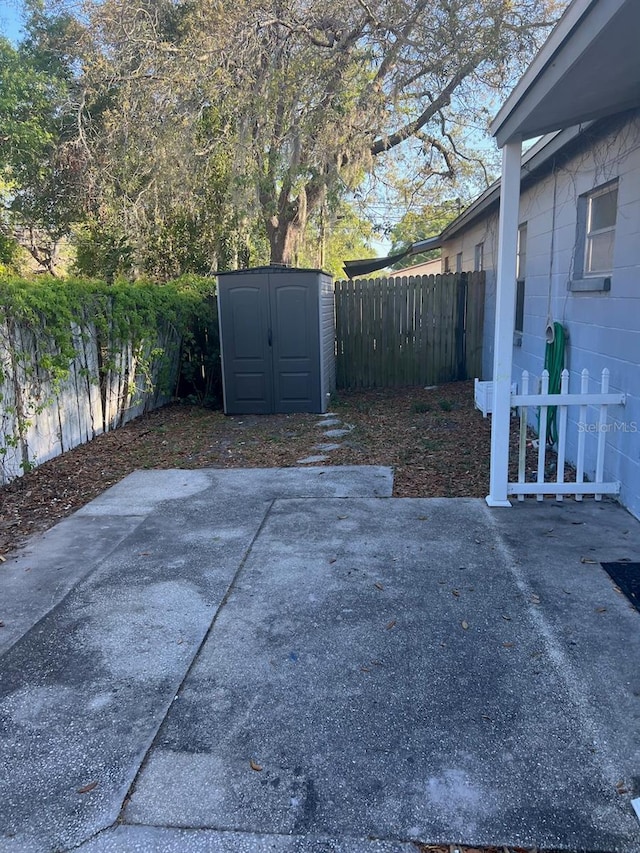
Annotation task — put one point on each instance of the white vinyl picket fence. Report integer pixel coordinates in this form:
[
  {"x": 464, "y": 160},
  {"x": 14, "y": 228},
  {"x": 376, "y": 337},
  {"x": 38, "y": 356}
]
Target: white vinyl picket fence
[{"x": 583, "y": 400}]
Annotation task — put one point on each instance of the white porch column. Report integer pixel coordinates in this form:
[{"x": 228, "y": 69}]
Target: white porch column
[{"x": 505, "y": 318}]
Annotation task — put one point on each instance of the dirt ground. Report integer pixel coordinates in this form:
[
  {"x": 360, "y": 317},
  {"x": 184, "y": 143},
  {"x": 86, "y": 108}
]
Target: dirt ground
[{"x": 435, "y": 440}]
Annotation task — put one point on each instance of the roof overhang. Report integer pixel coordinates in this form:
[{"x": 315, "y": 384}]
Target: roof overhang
[{"x": 589, "y": 68}]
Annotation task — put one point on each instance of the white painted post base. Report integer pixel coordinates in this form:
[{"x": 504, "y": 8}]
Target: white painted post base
[{"x": 491, "y": 502}]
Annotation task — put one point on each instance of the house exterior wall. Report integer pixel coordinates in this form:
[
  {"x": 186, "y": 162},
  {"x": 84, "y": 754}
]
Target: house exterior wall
[{"x": 603, "y": 327}]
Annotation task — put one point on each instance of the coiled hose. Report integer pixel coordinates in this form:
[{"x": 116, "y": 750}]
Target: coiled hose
[{"x": 554, "y": 363}]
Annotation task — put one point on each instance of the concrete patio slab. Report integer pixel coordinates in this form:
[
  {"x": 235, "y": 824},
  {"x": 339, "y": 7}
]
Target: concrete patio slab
[
  {"x": 396, "y": 670},
  {"x": 40, "y": 575}
]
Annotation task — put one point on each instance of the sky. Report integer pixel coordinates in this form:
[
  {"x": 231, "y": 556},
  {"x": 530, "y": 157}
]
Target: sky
[{"x": 10, "y": 19}]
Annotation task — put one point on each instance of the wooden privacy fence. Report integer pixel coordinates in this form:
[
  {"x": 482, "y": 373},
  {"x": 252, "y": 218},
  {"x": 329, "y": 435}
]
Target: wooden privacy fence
[
  {"x": 597, "y": 428},
  {"x": 419, "y": 330}
]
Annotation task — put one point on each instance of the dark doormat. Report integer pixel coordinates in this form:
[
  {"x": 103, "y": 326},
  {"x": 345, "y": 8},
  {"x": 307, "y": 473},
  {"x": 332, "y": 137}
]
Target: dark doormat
[{"x": 626, "y": 576}]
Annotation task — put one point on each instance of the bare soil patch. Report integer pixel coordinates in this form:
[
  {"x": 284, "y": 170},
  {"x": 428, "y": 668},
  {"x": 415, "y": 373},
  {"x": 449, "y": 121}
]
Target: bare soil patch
[{"x": 436, "y": 442}]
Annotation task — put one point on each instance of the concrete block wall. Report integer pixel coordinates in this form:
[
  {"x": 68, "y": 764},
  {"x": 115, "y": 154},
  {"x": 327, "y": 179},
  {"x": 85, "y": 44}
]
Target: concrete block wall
[{"x": 603, "y": 327}]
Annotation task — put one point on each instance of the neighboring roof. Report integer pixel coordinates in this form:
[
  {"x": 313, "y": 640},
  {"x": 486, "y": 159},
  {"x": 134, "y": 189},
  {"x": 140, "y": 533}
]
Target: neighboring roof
[
  {"x": 589, "y": 68},
  {"x": 425, "y": 268}
]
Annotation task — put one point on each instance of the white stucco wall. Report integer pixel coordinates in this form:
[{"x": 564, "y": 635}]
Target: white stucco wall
[{"x": 603, "y": 327}]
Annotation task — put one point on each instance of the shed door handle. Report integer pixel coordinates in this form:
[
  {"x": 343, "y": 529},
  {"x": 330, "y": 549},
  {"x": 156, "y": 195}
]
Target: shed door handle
[{"x": 270, "y": 338}]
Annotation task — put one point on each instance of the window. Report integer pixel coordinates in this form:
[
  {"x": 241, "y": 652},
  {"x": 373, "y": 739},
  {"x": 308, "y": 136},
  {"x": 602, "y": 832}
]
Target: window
[
  {"x": 459, "y": 262},
  {"x": 447, "y": 268},
  {"x": 600, "y": 230},
  {"x": 478, "y": 257},
  {"x": 521, "y": 268},
  {"x": 595, "y": 238}
]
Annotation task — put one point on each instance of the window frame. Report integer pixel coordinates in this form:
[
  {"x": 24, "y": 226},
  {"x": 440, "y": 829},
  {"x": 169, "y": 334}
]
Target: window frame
[
  {"x": 585, "y": 279},
  {"x": 478, "y": 257},
  {"x": 591, "y": 233}
]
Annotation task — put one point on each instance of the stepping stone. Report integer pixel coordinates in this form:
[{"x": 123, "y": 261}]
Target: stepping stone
[
  {"x": 326, "y": 447},
  {"x": 309, "y": 460},
  {"x": 337, "y": 433},
  {"x": 329, "y": 422}
]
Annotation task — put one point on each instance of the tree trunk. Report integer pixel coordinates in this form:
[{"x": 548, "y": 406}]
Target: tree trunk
[{"x": 283, "y": 235}]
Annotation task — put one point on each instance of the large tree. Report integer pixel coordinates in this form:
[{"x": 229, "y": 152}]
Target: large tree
[
  {"x": 221, "y": 113},
  {"x": 323, "y": 88},
  {"x": 36, "y": 157}
]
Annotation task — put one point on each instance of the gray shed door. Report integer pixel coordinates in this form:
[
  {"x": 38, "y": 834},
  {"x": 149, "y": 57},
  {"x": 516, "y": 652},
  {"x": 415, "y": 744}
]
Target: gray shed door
[
  {"x": 270, "y": 331},
  {"x": 244, "y": 312},
  {"x": 296, "y": 347}
]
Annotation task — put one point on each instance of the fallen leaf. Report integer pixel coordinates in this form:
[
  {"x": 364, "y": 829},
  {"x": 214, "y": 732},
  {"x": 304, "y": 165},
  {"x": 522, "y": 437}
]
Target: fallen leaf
[
  {"x": 508, "y": 645},
  {"x": 333, "y": 560},
  {"x": 3, "y": 559},
  {"x": 486, "y": 717},
  {"x": 364, "y": 669},
  {"x": 455, "y": 593},
  {"x": 378, "y": 586},
  {"x": 465, "y": 625},
  {"x": 255, "y": 766},
  {"x": 601, "y": 609},
  {"x": 506, "y": 618},
  {"x": 391, "y": 624},
  {"x": 342, "y": 517},
  {"x": 588, "y": 560},
  {"x": 535, "y": 599},
  {"x": 86, "y": 788},
  {"x": 423, "y": 518}
]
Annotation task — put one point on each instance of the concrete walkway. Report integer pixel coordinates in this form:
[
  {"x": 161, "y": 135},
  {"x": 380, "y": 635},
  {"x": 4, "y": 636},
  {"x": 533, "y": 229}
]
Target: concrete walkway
[{"x": 292, "y": 660}]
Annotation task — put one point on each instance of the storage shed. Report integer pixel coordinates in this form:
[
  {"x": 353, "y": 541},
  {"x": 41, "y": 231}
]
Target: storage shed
[{"x": 277, "y": 340}]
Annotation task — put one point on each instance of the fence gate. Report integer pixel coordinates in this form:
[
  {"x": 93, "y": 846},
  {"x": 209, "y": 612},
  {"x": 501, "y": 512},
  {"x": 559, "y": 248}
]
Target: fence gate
[
  {"x": 420, "y": 330},
  {"x": 557, "y": 406}
]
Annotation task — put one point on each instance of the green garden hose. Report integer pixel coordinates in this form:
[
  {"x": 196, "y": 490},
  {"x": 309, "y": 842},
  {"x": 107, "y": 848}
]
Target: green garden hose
[{"x": 554, "y": 363}]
